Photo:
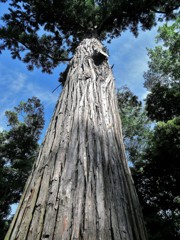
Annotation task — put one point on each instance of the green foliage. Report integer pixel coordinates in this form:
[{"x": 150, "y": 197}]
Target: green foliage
[
  {"x": 156, "y": 166},
  {"x": 162, "y": 103},
  {"x": 31, "y": 114},
  {"x": 164, "y": 61},
  {"x": 163, "y": 75},
  {"x": 135, "y": 124},
  {"x": 157, "y": 180},
  {"x": 46, "y": 33},
  {"x": 157, "y": 174},
  {"x": 18, "y": 149}
]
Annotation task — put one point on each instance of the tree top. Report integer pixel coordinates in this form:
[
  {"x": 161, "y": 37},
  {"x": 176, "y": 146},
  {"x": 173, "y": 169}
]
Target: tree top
[{"x": 45, "y": 33}]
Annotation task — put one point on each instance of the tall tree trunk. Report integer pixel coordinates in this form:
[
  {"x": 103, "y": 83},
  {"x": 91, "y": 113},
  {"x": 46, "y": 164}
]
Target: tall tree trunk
[{"x": 81, "y": 187}]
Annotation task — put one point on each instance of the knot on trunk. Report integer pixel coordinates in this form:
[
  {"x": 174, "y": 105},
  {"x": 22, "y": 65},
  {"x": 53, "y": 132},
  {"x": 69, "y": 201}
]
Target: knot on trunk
[
  {"x": 99, "y": 56},
  {"x": 98, "y": 53},
  {"x": 92, "y": 48},
  {"x": 87, "y": 61}
]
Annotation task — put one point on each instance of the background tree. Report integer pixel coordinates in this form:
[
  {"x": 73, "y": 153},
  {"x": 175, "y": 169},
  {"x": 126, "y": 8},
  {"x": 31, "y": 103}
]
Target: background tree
[
  {"x": 156, "y": 176},
  {"x": 154, "y": 161},
  {"x": 81, "y": 187},
  {"x": 164, "y": 59},
  {"x": 157, "y": 180},
  {"x": 162, "y": 102},
  {"x": 135, "y": 124},
  {"x": 18, "y": 149}
]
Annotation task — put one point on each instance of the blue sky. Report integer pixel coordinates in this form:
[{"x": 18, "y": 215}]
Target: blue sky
[{"x": 127, "y": 53}]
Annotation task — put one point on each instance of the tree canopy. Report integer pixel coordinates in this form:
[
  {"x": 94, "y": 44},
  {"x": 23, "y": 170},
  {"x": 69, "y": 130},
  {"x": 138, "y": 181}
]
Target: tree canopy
[
  {"x": 164, "y": 61},
  {"x": 45, "y": 33},
  {"x": 135, "y": 124},
  {"x": 162, "y": 102},
  {"x": 157, "y": 181},
  {"x": 18, "y": 149},
  {"x": 163, "y": 75},
  {"x": 157, "y": 174}
]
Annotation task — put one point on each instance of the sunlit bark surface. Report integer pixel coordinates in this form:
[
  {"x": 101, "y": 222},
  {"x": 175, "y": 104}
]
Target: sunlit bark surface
[{"x": 80, "y": 186}]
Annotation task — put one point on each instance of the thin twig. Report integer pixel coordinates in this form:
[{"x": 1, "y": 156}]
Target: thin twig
[{"x": 56, "y": 88}]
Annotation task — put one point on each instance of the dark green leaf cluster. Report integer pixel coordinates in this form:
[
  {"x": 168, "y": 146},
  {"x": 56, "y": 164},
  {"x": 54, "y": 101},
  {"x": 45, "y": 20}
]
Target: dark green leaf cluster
[
  {"x": 157, "y": 175},
  {"x": 135, "y": 124},
  {"x": 31, "y": 113},
  {"x": 154, "y": 156},
  {"x": 164, "y": 61},
  {"x": 163, "y": 75},
  {"x": 162, "y": 103},
  {"x": 45, "y": 33},
  {"x": 18, "y": 149},
  {"x": 157, "y": 180}
]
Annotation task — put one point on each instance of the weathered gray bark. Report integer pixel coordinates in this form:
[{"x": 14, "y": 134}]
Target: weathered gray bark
[{"x": 80, "y": 186}]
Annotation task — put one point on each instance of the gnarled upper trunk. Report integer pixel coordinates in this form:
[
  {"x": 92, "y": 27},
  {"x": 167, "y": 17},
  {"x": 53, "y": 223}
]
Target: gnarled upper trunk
[{"x": 80, "y": 186}]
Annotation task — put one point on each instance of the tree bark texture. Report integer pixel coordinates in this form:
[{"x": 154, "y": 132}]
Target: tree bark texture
[{"x": 80, "y": 186}]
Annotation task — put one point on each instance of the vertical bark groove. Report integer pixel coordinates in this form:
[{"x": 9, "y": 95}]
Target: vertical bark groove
[{"x": 81, "y": 187}]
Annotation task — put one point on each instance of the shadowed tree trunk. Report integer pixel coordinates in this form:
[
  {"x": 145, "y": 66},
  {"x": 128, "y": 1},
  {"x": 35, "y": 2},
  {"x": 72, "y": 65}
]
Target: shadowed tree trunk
[{"x": 80, "y": 186}]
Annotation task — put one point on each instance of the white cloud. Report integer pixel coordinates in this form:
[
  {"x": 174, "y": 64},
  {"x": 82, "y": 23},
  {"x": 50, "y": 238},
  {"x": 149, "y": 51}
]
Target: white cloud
[
  {"x": 44, "y": 95},
  {"x": 2, "y": 120},
  {"x": 129, "y": 55},
  {"x": 18, "y": 82},
  {"x": 13, "y": 81},
  {"x": 16, "y": 86},
  {"x": 144, "y": 95}
]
